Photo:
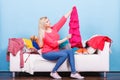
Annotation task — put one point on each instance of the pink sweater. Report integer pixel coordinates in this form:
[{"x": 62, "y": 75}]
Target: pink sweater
[
  {"x": 76, "y": 40},
  {"x": 50, "y": 39},
  {"x": 15, "y": 45}
]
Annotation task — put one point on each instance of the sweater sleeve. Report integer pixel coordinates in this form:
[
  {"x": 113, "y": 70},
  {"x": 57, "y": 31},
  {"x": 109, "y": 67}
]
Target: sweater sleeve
[
  {"x": 59, "y": 24},
  {"x": 50, "y": 42}
]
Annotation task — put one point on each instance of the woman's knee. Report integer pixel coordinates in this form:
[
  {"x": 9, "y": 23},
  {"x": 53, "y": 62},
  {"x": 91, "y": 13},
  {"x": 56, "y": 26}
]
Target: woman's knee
[
  {"x": 64, "y": 54},
  {"x": 70, "y": 52}
]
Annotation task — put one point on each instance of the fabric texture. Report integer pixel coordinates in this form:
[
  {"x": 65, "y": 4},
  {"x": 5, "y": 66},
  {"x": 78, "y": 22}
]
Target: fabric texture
[
  {"x": 15, "y": 45},
  {"x": 97, "y": 42},
  {"x": 75, "y": 40},
  {"x": 34, "y": 43},
  {"x": 28, "y": 43}
]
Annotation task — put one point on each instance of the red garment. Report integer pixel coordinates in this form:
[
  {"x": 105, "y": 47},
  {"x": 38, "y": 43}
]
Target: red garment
[
  {"x": 76, "y": 40},
  {"x": 97, "y": 42},
  {"x": 15, "y": 45},
  {"x": 50, "y": 39}
]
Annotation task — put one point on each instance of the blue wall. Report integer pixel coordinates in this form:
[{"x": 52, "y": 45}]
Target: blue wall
[{"x": 19, "y": 18}]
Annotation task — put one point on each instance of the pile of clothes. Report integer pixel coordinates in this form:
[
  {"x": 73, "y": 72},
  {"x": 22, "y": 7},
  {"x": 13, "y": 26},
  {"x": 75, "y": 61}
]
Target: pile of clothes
[
  {"x": 95, "y": 43},
  {"x": 24, "y": 45}
]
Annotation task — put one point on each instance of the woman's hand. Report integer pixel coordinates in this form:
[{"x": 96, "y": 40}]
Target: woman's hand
[
  {"x": 65, "y": 39},
  {"x": 69, "y": 36},
  {"x": 68, "y": 13}
]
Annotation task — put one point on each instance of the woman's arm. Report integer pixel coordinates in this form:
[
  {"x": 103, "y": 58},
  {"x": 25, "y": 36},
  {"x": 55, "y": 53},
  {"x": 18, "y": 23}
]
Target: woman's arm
[
  {"x": 68, "y": 14},
  {"x": 64, "y": 39},
  {"x": 62, "y": 21}
]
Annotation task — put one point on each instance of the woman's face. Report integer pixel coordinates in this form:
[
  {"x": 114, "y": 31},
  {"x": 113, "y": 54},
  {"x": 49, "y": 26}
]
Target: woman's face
[{"x": 47, "y": 23}]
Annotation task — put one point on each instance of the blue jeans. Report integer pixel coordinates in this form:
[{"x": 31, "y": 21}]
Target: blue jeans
[{"x": 61, "y": 56}]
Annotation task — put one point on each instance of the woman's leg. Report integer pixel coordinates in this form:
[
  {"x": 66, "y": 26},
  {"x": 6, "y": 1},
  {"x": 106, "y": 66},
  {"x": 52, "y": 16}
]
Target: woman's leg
[
  {"x": 60, "y": 56},
  {"x": 74, "y": 74},
  {"x": 71, "y": 59}
]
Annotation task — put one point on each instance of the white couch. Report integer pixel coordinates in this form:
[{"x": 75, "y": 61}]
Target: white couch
[{"x": 84, "y": 63}]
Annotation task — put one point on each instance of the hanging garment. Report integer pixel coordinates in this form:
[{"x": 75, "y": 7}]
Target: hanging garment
[
  {"x": 75, "y": 40},
  {"x": 15, "y": 45}
]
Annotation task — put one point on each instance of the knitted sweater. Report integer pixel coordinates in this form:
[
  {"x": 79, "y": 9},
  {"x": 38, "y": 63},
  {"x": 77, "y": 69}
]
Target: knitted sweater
[{"x": 76, "y": 40}]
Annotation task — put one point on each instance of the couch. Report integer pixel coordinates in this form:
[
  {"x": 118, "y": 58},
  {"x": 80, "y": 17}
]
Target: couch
[{"x": 84, "y": 63}]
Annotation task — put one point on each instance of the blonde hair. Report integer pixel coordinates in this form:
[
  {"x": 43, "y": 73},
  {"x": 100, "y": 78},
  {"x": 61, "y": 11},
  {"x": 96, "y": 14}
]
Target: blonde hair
[{"x": 41, "y": 29}]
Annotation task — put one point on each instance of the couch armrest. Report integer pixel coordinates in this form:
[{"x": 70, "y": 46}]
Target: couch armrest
[
  {"x": 106, "y": 49},
  {"x": 15, "y": 62}
]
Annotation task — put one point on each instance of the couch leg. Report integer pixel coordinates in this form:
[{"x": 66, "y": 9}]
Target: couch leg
[
  {"x": 13, "y": 74},
  {"x": 105, "y": 74}
]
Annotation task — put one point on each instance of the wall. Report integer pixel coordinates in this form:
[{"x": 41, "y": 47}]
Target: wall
[
  {"x": 19, "y": 18},
  {"x": 0, "y": 32}
]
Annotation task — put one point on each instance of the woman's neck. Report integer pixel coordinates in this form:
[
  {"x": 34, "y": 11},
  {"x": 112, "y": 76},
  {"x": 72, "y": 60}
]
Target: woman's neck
[{"x": 48, "y": 30}]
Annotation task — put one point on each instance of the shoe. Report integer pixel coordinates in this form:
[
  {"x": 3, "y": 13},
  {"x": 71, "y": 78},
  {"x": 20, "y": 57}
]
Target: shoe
[
  {"x": 55, "y": 75},
  {"x": 76, "y": 75}
]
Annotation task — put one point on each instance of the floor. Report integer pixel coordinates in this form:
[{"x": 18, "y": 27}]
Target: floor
[{"x": 65, "y": 76}]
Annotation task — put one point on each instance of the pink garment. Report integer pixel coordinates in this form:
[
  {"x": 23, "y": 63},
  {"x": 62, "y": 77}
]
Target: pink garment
[
  {"x": 15, "y": 45},
  {"x": 76, "y": 40}
]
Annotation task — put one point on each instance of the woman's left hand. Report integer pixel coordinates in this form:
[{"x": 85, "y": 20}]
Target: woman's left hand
[
  {"x": 69, "y": 36},
  {"x": 68, "y": 13}
]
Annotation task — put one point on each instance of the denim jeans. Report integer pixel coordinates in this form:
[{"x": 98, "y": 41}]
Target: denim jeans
[{"x": 60, "y": 57}]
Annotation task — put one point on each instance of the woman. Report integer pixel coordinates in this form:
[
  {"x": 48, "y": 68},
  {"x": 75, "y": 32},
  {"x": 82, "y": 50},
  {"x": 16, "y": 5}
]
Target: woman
[{"x": 49, "y": 39}]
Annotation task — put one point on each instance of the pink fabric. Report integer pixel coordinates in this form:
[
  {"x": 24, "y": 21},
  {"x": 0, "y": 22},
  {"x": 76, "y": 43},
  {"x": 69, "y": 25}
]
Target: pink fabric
[
  {"x": 15, "y": 45},
  {"x": 97, "y": 42},
  {"x": 76, "y": 40}
]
